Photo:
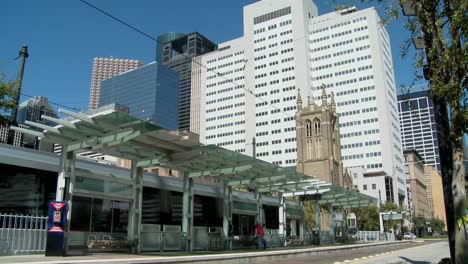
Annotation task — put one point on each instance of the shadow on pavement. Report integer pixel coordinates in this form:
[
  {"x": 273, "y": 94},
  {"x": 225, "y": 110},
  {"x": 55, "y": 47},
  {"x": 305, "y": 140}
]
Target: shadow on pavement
[{"x": 415, "y": 261}]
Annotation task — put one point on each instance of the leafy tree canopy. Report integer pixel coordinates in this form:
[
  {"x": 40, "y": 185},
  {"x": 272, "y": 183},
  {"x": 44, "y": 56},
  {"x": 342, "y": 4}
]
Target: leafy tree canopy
[{"x": 6, "y": 100}]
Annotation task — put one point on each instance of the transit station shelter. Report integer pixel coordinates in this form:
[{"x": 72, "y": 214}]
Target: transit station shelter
[{"x": 115, "y": 133}]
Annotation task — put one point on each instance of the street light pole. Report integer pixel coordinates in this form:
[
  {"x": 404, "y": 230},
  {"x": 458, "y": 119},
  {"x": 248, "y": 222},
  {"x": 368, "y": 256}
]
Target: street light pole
[{"x": 23, "y": 54}]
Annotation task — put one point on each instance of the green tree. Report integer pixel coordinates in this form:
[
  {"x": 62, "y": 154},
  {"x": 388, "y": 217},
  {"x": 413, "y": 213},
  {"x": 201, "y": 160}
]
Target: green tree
[
  {"x": 442, "y": 25},
  {"x": 6, "y": 100},
  {"x": 367, "y": 218},
  {"x": 438, "y": 225},
  {"x": 309, "y": 213}
]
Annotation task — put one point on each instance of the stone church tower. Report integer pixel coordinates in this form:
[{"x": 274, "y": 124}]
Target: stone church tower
[{"x": 318, "y": 140}]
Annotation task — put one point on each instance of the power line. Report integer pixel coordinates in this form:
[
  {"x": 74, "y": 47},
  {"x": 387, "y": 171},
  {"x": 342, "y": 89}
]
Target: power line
[
  {"x": 217, "y": 73},
  {"x": 53, "y": 103}
]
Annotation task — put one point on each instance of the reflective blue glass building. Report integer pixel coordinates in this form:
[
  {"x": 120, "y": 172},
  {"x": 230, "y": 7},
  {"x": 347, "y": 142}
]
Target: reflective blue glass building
[{"x": 150, "y": 92}]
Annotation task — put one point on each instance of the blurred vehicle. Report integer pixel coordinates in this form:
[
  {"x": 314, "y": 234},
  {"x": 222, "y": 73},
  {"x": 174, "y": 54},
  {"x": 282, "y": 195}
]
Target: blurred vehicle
[{"x": 409, "y": 236}]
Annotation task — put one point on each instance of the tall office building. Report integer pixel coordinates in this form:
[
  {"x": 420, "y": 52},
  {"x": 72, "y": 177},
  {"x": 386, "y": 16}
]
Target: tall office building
[
  {"x": 105, "y": 68},
  {"x": 177, "y": 54},
  {"x": 419, "y": 126},
  {"x": 287, "y": 47},
  {"x": 350, "y": 54},
  {"x": 150, "y": 92}
]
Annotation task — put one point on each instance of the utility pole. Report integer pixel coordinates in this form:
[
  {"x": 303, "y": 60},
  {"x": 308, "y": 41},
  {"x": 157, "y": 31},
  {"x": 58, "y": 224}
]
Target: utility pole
[{"x": 23, "y": 54}]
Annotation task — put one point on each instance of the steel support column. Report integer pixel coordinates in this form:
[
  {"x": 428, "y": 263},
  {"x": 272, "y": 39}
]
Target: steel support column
[
  {"x": 62, "y": 175},
  {"x": 282, "y": 218},
  {"x": 318, "y": 216},
  {"x": 187, "y": 212},
  {"x": 302, "y": 222},
  {"x": 70, "y": 188},
  {"x": 331, "y": 223},
  {"x": 258, "y": 199},
  {"x": 345, "y": 225},
  {"x": 227, "y": 214},
  {"x": 135, "y": 210}
]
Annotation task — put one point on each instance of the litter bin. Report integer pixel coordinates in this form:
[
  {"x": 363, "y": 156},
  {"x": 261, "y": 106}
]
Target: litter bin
[{"x": 316, "y": 237}]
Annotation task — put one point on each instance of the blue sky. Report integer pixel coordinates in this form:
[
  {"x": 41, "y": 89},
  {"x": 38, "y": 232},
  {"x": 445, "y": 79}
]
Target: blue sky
[{"x": 64, "y": 37}]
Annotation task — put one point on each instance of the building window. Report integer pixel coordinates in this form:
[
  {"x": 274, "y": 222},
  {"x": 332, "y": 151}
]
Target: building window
[
  {"x": 317, "y": 127},
  {"x": 308, "y": 128},
  {"x": 364, "y": 187},
  {"x": 318, "y": 148},
  {"x": 309, "y": 150},
  {"x": 374, "y": 186}
]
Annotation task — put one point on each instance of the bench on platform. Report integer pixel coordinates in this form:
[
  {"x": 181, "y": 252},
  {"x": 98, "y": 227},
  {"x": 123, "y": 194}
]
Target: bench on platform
[{"x": 107, "y": 242}]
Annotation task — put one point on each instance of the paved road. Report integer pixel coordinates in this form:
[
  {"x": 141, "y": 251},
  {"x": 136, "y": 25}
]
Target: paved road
[
  {"x": 409, "y": 251},
  {"x": 420, "y": 255}
]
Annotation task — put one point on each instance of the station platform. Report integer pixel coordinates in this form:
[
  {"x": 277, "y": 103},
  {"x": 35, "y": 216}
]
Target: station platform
[{"x": 225, "y": 257}]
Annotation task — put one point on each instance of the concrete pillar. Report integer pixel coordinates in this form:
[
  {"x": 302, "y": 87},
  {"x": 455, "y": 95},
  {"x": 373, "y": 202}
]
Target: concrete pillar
[
  {"x": 258, "y": 198},
  {"x": 318, "y": 216},
  {"x": 62, "y": 175},
  {"x": 302, "y": 222},
  {"x": 331, "y": 222},
  {"x": 135, "y": 210},
  {"x": 187, "y": 211},
  {"x": 282, "y": 218},
  {"x": 227, "y": 214}
]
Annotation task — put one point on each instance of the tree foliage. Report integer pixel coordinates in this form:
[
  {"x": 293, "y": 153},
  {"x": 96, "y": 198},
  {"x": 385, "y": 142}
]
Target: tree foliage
[
  {"x": 443, "y": 27},
  {"x": 367, "y": 218},
  {"x": 6, "y": 100}
]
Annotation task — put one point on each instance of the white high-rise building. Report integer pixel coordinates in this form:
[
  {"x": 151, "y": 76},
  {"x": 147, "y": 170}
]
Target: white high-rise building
[
  {"x": 350, "y": 55},
  {"x": 248, "y": 90}
]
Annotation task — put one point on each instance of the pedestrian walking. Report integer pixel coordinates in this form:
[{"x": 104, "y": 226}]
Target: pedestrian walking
[{"x": 259, "y": 235}]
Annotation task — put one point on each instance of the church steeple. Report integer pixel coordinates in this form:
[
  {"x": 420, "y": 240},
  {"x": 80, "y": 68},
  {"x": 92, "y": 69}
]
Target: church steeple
[
  {"x": 332, "y": 102},
  {"x": 324, "y": 96},
  {"x": 299, "y": 101}
]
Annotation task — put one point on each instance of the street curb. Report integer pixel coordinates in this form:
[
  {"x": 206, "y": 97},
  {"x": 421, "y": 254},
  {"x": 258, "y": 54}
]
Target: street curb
[{"x": 231, "y": 258}]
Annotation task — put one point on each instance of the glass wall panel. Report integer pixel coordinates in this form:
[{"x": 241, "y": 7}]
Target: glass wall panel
[
  {"x": 95, "y": 185},
  {"x": 81, "y": 214},
  {"x": 99, "y": 215},
  {"x": 26, "y": 191},
  {"x": 120, "y": 216}
]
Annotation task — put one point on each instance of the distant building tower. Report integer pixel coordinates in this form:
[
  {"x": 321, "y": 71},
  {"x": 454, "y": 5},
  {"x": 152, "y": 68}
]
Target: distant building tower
[
  {"x": 419, "y": 126},
  {"x": 318, "y": 140},
  {"x": 105, "y": 68},
  {"x": 177, "y": 54},
  {"x": 31, "y": 110},
  {"x": 163, "y": 39},
  {"x": 417, "y": 198},
  {"x": 150, "y": 92}
]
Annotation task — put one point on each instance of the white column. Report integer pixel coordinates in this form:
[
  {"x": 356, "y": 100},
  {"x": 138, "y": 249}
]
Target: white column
[
  {"x": 258, "y": 199},
  {"x": 282, "y": 218},
  {"x": 135, "y": 210},
  {"x": 70, "y": 190},
  {"x": 331, "y": 222},
  {"x": 302, "y": 222},
  {"x": 60, "y": 192},
  {"x": 227, "y": 214},
  {"x": 187, "y": 211}
]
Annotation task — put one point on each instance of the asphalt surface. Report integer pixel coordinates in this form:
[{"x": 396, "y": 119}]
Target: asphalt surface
[{"x": 356, "y": 255}]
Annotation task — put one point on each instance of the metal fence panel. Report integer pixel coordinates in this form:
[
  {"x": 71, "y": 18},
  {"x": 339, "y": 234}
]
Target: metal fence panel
[{"x": 22, "y": 234}]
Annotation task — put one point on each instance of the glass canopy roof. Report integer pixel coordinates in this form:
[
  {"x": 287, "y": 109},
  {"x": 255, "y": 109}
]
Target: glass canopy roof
[{"x": 117, "y": 134}]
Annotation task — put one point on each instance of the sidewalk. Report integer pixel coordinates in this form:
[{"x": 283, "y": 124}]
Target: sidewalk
[{"x": 272, "y": 255}]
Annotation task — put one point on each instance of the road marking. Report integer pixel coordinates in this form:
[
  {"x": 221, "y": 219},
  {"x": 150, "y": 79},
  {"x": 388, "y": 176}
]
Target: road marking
[{"x": 396, "y": 251}]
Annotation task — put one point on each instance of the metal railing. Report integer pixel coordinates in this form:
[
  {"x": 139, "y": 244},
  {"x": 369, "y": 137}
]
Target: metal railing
[
  {"x": 22, "y": 234},
  {"x": 370, "y": 236}
]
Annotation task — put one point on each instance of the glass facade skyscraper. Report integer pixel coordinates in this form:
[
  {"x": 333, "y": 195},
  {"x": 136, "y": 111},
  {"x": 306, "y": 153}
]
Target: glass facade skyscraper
[
  {"x": 177, "y": 54},
  {"x": 150, "y": 92}
]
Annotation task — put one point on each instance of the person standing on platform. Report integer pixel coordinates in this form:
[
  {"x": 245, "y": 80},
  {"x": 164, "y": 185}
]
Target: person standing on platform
[{"x": 259, "y": 235}]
